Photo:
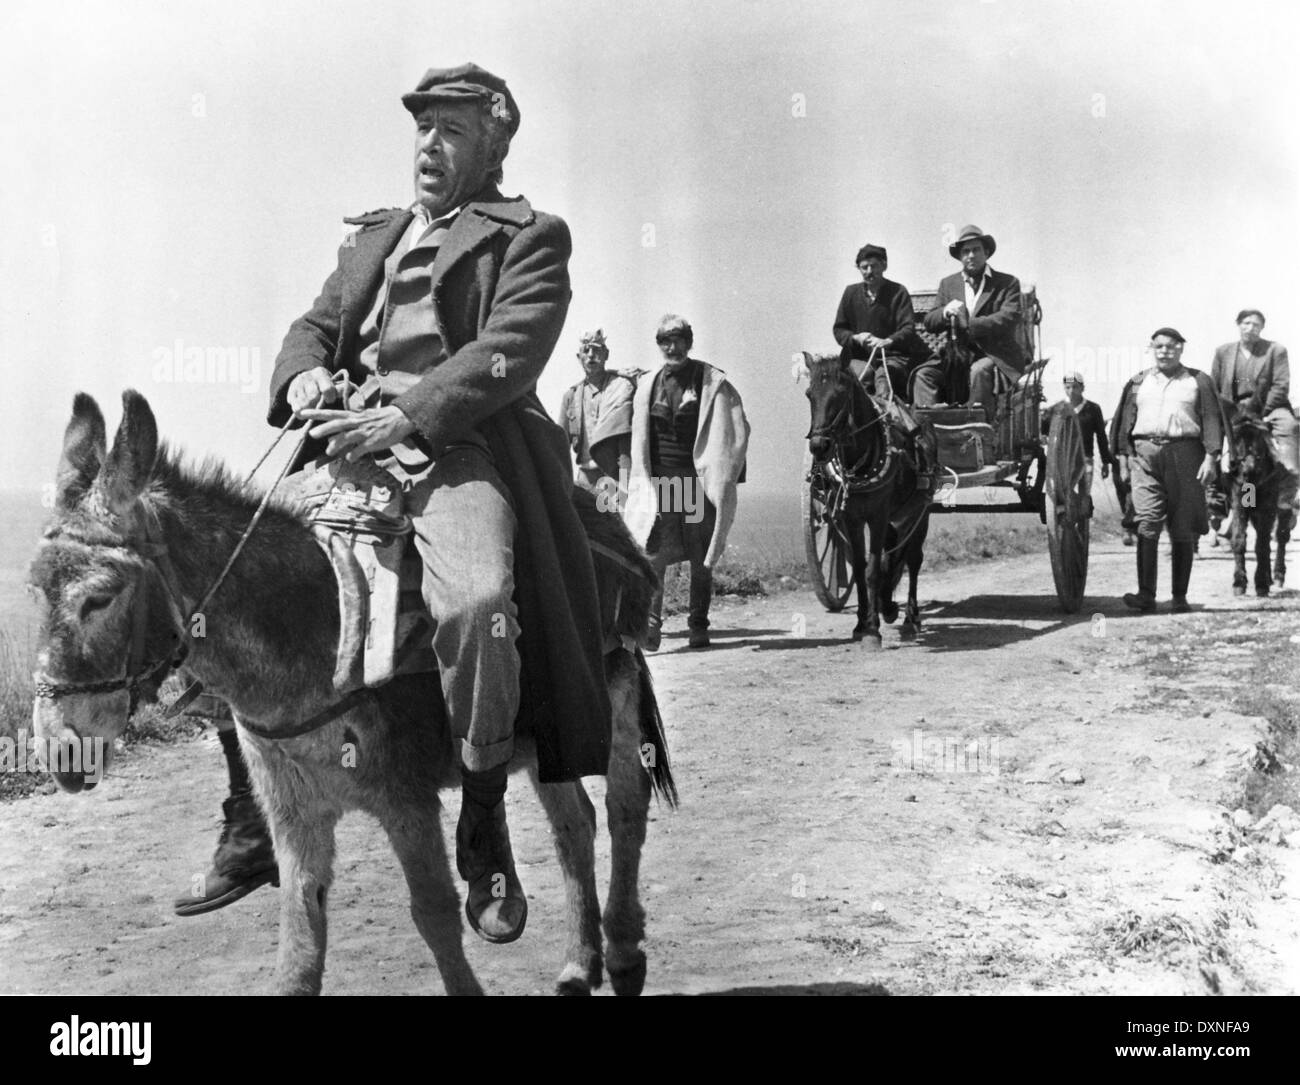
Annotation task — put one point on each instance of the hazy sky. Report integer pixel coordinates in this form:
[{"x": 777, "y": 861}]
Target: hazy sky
[{"x": 176, "y": 174}]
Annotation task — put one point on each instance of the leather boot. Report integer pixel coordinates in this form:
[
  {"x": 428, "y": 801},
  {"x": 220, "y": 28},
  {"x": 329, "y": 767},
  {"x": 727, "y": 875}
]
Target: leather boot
[
  {"x": 1182, "y": 556},
  {"x": 244, "y": 859},
  {"x": 495, "y": 904},
  {"x": 1148, "y": 558}
]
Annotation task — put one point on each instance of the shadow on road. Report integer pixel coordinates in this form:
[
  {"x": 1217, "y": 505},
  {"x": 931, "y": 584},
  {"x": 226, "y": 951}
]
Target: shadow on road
[{"x": 806, "y": 989}]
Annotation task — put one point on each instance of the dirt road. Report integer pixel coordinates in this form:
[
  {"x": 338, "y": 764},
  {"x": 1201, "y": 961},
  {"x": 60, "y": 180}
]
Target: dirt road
[{"x": 1016, "y": 802}]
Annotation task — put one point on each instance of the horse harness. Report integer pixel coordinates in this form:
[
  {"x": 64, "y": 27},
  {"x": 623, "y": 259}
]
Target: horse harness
[{"x": 863, "y": 476}]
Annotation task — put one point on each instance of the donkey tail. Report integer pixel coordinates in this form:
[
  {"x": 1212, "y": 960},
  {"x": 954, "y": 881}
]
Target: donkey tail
[{"x": 654, "y": 744}]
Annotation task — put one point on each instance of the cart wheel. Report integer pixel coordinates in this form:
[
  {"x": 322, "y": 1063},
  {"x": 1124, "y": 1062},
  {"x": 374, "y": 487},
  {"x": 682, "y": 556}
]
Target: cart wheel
[
  {"x": 825, "y": 542},
  {"x": 1069, "y": 509}
]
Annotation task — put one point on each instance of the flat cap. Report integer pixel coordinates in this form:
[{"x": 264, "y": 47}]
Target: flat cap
[
  {"x": 1172, "y": 333},
  {"x": 465, "y": 82}
]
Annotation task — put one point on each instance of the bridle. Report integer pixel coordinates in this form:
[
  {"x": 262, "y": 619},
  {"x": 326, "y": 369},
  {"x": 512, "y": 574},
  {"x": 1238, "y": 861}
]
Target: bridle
[
  {"x": 840, "y": 429},
  {"x": 137, "y": 669}
]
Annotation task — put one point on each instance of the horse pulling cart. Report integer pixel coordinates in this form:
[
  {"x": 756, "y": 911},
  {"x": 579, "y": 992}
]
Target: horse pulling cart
[{"x": 1047, "y": 474}]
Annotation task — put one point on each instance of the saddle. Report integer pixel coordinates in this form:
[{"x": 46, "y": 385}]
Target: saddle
[
  {"x": 356, "y": 514},
  {"x": 385, "y": 630}
]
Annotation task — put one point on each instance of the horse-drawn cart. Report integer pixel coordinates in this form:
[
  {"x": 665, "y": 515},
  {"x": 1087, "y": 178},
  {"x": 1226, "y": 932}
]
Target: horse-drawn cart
[{"x": 1047, "y": 475}]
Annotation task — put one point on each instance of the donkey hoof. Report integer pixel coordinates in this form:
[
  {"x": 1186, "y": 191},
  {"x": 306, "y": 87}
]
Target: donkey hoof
[
  {"x": 1261, "y": 593},
  {"x": 1238, "y": 589},
  {"x": 889, "y": 612},
  {"x": 575, "y": 980},
  {"x": 908, "y": 631},
  {"x": 871, "y": 642},
  {"x": 630, "y": 979}
]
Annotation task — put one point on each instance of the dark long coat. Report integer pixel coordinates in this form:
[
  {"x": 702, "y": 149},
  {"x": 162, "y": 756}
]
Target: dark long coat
[{"x": 500, "y": 286}]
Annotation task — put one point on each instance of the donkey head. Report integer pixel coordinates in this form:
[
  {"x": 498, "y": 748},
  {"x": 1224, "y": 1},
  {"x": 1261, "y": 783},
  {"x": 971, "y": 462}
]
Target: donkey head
[
  {"x": 1252, "y": 450},
  {"x": 100, "y": 591},
  {"x": 830, "y": 397}
]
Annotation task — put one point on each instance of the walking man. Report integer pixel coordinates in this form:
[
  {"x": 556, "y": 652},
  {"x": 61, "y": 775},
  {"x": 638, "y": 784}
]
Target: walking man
[
  {"x": 1091, "y": 425},
  {"x": 597, "y": 415},
  {"x": 689, "y": 441},
  {"x": 1170, "y": 439}
]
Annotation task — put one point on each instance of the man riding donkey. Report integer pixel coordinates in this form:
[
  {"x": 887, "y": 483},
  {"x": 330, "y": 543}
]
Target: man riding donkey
[
  {"x": 1254, "y": 365},
  {"x": 444, "y": 315}
]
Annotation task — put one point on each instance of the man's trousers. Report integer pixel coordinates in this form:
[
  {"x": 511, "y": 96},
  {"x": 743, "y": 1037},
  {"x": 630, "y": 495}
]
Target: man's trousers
[
  {"x": 465, "y": 533},
  {"x": 1166, "y": 490}
]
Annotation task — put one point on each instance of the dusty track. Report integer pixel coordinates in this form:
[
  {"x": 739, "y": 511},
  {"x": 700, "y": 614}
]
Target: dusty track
[{"x": 809, "y": 853}]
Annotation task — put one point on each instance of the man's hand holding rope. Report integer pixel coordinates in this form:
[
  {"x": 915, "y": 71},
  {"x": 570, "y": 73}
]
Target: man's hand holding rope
[{"x": 351, "y": 434}]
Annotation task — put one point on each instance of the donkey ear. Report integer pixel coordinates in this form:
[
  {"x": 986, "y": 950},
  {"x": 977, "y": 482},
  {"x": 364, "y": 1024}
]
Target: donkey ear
[
  {"x": 84, "y": 449},
  {"x": 799, "y": 370},
  {"x": 135, "y": 448}
]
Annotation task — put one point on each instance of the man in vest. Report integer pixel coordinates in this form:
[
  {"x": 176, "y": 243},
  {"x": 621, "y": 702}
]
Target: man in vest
[
  {"x": 445, "y": 314},
  {"x": 689, "y": 442}
]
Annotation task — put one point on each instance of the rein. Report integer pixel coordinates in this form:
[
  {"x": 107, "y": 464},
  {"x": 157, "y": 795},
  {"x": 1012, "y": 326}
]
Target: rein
[{"x": 158, "y": 566}]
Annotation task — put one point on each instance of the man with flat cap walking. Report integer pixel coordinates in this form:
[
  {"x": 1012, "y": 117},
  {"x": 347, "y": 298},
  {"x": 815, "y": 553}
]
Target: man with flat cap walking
[
  {"x": 1170, "y": 435},
  {"x": 445, "y": 314},
  {"x": 983, "y": 306},
  {"x": 875, "y": 323}
]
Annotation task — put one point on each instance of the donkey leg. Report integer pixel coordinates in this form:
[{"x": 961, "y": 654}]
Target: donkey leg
[
  {"x": 573, "y": 820},
  {"x": 1263, "y": 556},
  {"x": 417, "y": 839},
  {"x": 627, "y": 801},
  {"x": 1284, "y": 520},
  {"x": 304, "y": 847},
  {"x": 1238, "y": 540}
]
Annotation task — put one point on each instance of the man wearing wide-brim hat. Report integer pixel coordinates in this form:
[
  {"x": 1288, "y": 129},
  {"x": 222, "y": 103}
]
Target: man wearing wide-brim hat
[
  {"x": 445, "y": 313},
  {"x": 983, "y": 306}
]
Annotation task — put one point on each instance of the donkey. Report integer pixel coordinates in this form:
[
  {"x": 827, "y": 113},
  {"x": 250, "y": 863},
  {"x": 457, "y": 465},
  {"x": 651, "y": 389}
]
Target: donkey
[
  {"x": 1254, "y": 485},
  {"x": 887, "y": 515},
  {"x": 137, "y": 537}
]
